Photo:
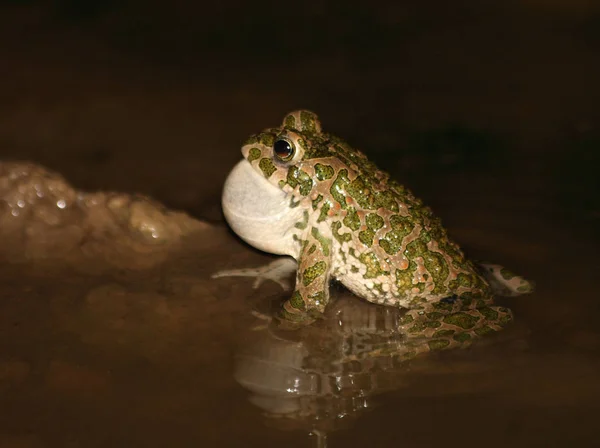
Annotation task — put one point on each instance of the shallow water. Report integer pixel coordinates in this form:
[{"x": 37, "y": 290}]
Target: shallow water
[
  {"x": 122, "y": 338},
  {"x": 112, "y": 331}
]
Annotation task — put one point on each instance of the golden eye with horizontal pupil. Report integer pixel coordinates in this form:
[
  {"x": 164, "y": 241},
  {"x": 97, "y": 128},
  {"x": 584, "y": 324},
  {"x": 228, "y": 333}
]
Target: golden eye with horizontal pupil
[{"x": 284, "y": 150}]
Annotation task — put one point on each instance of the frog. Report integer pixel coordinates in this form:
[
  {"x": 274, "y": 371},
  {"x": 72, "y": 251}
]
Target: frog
[{"x": 308, "y": 195}]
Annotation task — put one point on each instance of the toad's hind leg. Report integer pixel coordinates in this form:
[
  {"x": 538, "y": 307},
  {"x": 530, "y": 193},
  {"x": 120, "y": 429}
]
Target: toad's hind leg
[{"x": 311, "y": 294}]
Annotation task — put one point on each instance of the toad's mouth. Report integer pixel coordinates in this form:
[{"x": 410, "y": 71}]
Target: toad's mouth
[{"x": 258, "y": 211}]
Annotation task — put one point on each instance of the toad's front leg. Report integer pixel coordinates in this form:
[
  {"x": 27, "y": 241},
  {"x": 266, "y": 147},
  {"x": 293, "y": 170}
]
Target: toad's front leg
[{"x": 311, "y": 294}]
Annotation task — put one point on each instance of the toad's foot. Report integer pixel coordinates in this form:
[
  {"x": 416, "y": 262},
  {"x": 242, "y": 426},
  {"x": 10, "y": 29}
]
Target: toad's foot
[
  {"x": 278, "y": 271},
  {"x": 503, "y": 282}
]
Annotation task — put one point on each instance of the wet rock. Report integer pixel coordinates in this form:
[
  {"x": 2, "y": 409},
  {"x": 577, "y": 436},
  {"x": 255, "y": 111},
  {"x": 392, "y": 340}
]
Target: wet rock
[
  {"x": 43, "y": 217},
  {"x": 36, "y": 212}
]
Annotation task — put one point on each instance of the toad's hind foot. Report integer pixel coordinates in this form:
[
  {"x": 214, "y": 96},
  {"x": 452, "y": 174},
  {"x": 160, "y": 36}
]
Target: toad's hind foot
[{"x": 503, "y": 282}]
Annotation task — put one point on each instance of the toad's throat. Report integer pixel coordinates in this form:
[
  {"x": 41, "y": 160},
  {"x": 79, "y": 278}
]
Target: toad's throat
[{"x": 258, "y": 211}]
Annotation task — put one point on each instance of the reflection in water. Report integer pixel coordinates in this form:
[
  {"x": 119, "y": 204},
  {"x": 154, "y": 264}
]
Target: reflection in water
[{"x": 323, "y": 377}]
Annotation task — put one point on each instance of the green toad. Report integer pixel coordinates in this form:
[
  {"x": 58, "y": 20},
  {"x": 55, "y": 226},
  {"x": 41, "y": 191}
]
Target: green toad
[{"x": 307, "y": 194}]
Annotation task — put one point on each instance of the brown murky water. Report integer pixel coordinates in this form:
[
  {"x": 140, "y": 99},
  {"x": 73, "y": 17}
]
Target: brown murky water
[{"x": 113, "y": 334}]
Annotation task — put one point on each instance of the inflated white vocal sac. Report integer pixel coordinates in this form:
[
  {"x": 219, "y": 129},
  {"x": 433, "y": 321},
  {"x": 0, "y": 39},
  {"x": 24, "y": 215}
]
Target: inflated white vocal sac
[{"x": 259, "y": 212}]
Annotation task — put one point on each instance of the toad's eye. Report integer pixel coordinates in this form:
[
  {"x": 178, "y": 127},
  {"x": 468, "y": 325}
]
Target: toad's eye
[{"x": 284, "y": 150}]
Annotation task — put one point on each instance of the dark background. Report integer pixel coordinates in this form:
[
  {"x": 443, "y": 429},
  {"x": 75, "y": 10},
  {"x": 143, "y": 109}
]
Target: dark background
[{"x": 155, "y": 97}]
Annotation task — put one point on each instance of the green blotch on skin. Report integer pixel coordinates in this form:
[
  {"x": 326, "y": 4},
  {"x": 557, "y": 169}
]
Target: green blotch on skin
[
  {"x": 435, "y": 315},
  {"x": 302, "y": 224},
  {"x": 254, "y": 154},
  {"x": 324, "y": 242},
  {"x": 315, "y": 202},
  {"x": 506, "y": 274},
  {"x": 297, "y": 302},
  {"x": 405, "y": 319},
  {"x": 417, "y": 208},
  {"x": 392, "y": 240},
  {"x": 311, "y": 273},
  {"x": 297, "y": 177},
  {"x": 444, "y": 306},
  {"x": 505, "y": 319},
  {"x": 292, "y": 176},
  {"x": 462, "y": 320},
  {"x": 372, "y": 264},
  {"x": 324, "y": 211},
  {"x": 359, "y": 190},
  {"x": 461, "y": 279},
  {"x": 374, "y": 221},
  {"x": 479, "y": 290},
  {"x": 437, "y": 267},
  {"x": 341, "y": 237},
  {"x": 293, "y": 317},
  {"x": 462, "y": 337},
  {"x": 301, "y": 242},
  {"x": 404, "y": 278},
  {"x": 266, "y": 139},
  {"x": 267, "y": 167},
  {"x": 482, "y": 331},
  {"x": 351, "y": 220},
  {"x": 432, "y": 324},
  {"x": 289, "y": 122},
  {"x": 316, "y": 149},
  {"x": 338, "y": 188},
  {"x": 323, "y": 172},
  {"x": 480, "y": 303},
  {"x": 434, "y": 263},
  {"x": 312, "y": 249},
  {"x": 458, "y": 258},
  {"x": 489, "y": 313},
  {"x": 309, "y": 121},
  {"x": 418, "y": 327},
  {"x": 354, "y": 269},
  {"x": 306, "y": 184},
  {"x": 386, "y": 200},
  {"x": 466, "y": 300},
  {"x": 253, "y": 139},
  {"x": 438, "y": 344},
  {"x": 443, "y": 334},
  {"x": 343, "y": 255},
  {"x": 366, "y": 237},
  {"x": 303, "y": 245},
  {"x": 525, "y": 288}
]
